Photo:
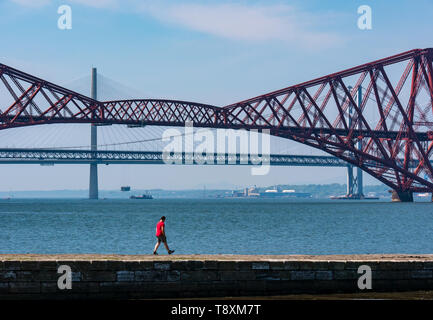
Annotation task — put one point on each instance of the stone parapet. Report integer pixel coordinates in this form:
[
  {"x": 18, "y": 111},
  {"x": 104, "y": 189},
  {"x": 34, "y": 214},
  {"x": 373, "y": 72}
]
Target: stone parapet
[{"x": 125, "y": 277}]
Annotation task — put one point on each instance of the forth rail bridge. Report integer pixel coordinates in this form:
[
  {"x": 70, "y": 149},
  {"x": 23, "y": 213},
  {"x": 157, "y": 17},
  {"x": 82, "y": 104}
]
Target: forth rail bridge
[{"x": 377, "y": 117}]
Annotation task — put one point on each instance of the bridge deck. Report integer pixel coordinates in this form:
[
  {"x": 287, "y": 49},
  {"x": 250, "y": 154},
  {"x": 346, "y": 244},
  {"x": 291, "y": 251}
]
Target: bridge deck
[{"x": 47, "y": 156}]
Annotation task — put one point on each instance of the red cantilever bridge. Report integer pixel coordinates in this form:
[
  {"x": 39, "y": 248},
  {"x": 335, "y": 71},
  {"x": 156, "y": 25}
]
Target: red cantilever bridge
[{"x": 377, "y": 116}]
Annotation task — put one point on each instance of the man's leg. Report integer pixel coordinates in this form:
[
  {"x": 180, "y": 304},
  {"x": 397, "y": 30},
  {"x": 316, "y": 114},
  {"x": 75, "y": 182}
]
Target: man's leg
[
  {"x": 157, "y": 246},
  {"x": 166, "y": 246}
]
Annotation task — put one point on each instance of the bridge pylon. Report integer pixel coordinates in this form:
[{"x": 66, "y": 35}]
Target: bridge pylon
[
  {"x": 354, "y": 183},
  {"x": 93, "y": 178}
]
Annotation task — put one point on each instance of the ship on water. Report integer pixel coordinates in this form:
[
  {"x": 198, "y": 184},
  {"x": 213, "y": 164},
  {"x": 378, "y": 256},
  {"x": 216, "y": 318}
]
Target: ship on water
[{"x": 142, "y": 197}]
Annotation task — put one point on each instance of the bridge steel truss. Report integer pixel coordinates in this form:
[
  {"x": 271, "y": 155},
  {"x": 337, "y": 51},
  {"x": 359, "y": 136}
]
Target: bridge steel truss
[{"x": 381, "y": 132}]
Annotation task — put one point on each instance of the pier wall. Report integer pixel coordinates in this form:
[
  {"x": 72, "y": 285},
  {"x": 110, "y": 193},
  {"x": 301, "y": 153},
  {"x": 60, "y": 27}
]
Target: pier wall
[{"x": 177, "y": 278}]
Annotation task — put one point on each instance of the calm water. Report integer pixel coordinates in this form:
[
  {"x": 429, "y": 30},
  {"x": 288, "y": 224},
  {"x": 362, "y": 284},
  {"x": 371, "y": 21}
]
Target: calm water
[{"x": 230, "y": 226}]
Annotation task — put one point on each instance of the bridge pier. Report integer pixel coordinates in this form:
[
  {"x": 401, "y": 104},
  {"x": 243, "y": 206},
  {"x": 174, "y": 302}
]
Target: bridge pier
[
  {"x": 402, "y": 196},
  {"x": 354, "y": 183},
  {"x": 93, "y": 183},
  {"x": 349, "y": 190},
  {"x": 359, "y": 183}
]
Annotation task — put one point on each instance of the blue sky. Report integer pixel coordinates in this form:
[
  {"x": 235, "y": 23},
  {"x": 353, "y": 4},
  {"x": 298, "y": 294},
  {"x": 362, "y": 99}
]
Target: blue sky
[{"x": 216, "y": 52}]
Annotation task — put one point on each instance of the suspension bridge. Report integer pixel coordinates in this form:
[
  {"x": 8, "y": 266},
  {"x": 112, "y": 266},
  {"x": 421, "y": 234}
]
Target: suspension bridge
[{"x": 377, "y": 117}]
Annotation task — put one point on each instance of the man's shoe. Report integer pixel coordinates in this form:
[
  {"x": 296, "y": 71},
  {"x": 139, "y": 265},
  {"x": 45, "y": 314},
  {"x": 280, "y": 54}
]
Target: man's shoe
[
  {"x": 155, "y": 253},
  {"x": 170, "y": 251}
]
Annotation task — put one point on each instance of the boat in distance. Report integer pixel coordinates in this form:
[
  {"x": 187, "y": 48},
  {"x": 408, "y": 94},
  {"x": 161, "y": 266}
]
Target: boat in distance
[{"x": 142, "y": 197}]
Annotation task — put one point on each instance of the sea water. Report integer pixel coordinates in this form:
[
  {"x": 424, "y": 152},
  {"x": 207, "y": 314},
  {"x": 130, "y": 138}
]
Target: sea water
[{"x": 216, "y": 226}]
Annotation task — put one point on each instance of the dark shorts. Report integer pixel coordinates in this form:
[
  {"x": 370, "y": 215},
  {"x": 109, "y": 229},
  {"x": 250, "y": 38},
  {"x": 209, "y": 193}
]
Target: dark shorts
[{"x": 161, "y": 238}]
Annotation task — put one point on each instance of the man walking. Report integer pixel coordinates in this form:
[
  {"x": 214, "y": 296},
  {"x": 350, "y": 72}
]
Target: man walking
[{"x": 160, "y": 235}]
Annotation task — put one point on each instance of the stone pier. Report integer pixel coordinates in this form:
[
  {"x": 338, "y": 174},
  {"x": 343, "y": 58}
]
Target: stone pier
[
  {"x": 402, "y": 196},
  {"x": 192, "y": 276}
]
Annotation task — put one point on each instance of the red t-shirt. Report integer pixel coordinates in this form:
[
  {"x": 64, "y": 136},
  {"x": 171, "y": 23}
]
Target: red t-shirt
[{"x": 159, "y": 226}]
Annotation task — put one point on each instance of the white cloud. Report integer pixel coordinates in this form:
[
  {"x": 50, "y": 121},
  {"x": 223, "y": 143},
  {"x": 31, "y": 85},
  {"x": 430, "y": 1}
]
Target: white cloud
[
  {"x": 235, "y": 21},
  {"x": 247, "y": 22},
  {"x": 229, "y": 20},
  {"x": 98, "y": 3},
  {"x": 90, "y": 3},
  {"x": 32, "y": 3}
]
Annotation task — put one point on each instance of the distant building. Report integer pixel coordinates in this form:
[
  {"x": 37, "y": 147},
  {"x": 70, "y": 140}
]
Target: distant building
[
  {"x": 251, "y": 192},
  {"x": 254, "y": 192}
]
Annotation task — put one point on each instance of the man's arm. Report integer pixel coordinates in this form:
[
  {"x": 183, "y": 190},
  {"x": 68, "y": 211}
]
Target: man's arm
[{"x": 163, "y": 230}]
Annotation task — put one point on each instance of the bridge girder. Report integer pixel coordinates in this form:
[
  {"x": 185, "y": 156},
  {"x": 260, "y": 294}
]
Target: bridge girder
[{"x": 44, "y": 156}]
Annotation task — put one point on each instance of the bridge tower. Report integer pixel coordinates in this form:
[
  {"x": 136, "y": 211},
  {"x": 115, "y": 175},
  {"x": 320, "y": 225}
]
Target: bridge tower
[
  {"x": 93, "y": 178},
  {"x": 355, "y": 183},
  {"x": 360, "y": 191}
]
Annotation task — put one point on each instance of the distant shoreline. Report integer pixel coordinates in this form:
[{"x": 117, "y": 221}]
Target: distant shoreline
[{"x": 317, "y": 191}]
